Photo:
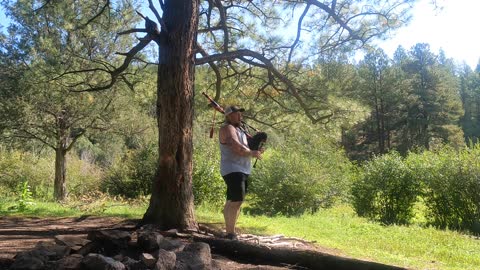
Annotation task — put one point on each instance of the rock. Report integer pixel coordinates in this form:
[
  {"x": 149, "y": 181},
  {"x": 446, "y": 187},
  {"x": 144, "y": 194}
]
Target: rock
[
  {"x": 148, "y": 259},
  {"x": 111, "y": 241},
  {"x": 27, "y": 261},
  {"x": 71, "y": 241},
  {"x": 195, "y": 256},
  {"x": 166, "y": 260},
  {"x": 90, "y": 247},
  {"x": 132, "y": 264},
  {"x": 51, "y": 250},
  {"x": 118, "y": 257},
  {"x": 72, "y": 262},
  {"x": 117, "y": 236},
  {"x": 34, "y": 259},
  {"x": 169, "y": 244},
  {"x": 95, "y": 261},
  {"x": 149, "y": 240}
]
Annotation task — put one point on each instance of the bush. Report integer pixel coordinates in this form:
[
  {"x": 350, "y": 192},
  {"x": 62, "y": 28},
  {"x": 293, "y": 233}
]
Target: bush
[
  {"x": 82, "y": 177},
  {"x": 447, "y": 181},
  {"x": 24, "y": 199},
  {"x": 18, "y": 167},
  {"x": 291, "y": 183},
  {"x": 284, "y": 182},
  {"x": 208, "y": 185},
  {"x": 132, "y": 176},
  {"x": 386, "y": 190},
  {"x": 451, "y": 182}
]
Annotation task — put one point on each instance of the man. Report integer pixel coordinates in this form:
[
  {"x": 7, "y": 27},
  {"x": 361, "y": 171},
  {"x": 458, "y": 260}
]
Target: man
[{"x": 235, "y": 165}]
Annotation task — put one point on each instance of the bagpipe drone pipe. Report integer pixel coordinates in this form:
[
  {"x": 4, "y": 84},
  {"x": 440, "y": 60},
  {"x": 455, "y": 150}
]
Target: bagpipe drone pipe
[{"x": 255, "y": 142}]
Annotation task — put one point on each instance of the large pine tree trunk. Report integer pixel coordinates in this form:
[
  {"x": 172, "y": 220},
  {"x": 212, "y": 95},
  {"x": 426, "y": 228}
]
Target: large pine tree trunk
[
  {"x": 60, "y": 186},
  {"x": 171, "y": 204}
]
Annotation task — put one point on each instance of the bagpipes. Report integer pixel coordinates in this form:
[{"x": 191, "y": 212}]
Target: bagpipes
[{"x": 255, "y": 142}]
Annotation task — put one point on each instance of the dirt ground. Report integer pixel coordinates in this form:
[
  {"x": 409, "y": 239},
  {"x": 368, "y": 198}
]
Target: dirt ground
[{"x": 21, "y": 234}]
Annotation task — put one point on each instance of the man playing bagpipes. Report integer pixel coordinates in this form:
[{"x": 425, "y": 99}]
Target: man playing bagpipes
[{"x": 237, "y": 148}]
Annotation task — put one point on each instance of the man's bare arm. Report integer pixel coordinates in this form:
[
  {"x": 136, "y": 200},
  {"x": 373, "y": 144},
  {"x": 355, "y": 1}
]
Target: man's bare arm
[{"x": 228, "y": 136}]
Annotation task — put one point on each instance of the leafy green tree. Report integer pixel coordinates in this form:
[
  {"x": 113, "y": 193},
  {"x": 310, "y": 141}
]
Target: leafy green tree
[
  {"x": 382, "y": 89},
  {"x": 435, "y": 109},
  {"x": 378, "y": 91},
  {"x": 414, "y": 101},
  {"x": 46, "y": 40},
  {"x": 8, "y": 75},
  {"x": 470, "y": 96}
]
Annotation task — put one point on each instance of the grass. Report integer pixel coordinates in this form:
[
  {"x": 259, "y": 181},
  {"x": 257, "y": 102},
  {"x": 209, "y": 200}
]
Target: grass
[
  {"x": 102, "y": 207},
  {"x": 342, "y": 230},
  {"x": 337, "y": 229}
]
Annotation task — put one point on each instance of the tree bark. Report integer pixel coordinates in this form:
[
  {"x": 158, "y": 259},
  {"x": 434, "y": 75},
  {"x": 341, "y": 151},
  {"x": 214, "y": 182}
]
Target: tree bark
[
  {"x": 60, "y": 186},
  {"x": 171, "y": 203},
  {"x": 298, "y": 258}
]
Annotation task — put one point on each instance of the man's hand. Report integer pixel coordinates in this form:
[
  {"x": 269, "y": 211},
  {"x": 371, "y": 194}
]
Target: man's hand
[{"x": 256, "y": 154}]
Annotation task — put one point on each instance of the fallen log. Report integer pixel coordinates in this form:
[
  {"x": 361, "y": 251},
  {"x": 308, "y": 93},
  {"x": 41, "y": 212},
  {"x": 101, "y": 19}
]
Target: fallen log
[{"x": 280, "y": 256}]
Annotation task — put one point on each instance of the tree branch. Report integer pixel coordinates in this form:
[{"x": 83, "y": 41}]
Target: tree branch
[
  {"x": 223, "y": 24},
  {"x": 266, "y": 64},
  {"x": 216, "y": 70},
  {"x": 107, "y": 4},
  {"x": 331, "y": 12},
  {"x": 134, "y": 30},
  {"x": 299, "y": 30},
  {"x": 159, "y": 19},
  {"x": 29, "y": 135},
  {"x": 116, "y": 72}
]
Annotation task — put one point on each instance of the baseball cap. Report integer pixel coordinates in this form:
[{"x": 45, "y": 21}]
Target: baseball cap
[{"x": 232, "y": 109}]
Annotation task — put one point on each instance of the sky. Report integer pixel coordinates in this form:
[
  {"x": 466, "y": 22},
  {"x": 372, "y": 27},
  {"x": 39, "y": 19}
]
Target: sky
[{"x": 452, "y": 28}]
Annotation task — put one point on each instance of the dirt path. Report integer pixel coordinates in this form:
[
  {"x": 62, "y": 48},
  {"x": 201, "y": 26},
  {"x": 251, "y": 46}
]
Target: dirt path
[{"x": 21, "y": 234}]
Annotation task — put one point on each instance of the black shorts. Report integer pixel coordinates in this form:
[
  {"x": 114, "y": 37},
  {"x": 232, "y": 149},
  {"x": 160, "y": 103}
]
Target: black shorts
[{"x": 236, "y": 186}]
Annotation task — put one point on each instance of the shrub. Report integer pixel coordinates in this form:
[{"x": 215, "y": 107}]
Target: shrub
[
  {"x": 24, "y": 197},
  {"x": 451, "y": 182},
  {"x": 446, "y": 180},
  {"x": 386, "y": 190},
  {"x": 18, "y": 167},
  {"x": 83, "y": 177},
  {"x": 289, "y": 183},
  {"x": 208, "y": 185},
  {"x": 132, "y": 176},
  {"x": 38, "y": 170}
]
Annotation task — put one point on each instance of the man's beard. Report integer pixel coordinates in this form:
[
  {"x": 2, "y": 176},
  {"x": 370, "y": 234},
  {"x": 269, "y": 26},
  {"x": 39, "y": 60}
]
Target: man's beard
[{"x": 234, "y": 124}]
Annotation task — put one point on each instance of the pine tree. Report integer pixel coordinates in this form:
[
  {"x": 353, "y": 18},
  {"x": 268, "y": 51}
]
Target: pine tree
[{"x": 45, "y": 44}]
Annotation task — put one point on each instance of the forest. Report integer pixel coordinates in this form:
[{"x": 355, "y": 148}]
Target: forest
[{"x": 99, "y": 101}]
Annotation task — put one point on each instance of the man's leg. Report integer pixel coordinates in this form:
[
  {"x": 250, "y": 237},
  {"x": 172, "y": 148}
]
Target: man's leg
[
  {"x": 226, "y": 216},
  {"x": 231, "y": 212},
  {"x": 236, "y": 188}
]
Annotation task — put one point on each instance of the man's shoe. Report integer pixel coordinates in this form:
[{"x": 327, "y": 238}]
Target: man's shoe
[{"x": 231, "y": 236}]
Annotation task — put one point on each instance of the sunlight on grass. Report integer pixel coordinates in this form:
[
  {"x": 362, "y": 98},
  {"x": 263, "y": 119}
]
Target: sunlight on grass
[
  {"x": 130, "y": 211},
  {"x": 51, "y": 209},
  {"x": 342, "y": 231},
  {"x": 38, "y": 209}
]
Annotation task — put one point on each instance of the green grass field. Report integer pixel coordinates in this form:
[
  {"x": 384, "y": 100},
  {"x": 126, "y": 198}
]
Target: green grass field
[
  {"x": 337, "y": 229},
  {"x": 340, "y": 229}
]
